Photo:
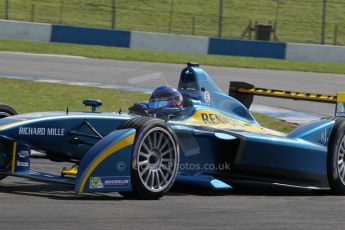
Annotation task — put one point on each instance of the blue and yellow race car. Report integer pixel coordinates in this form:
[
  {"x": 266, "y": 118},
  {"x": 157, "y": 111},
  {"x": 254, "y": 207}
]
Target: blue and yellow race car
[{"x": 195, "y": 134}]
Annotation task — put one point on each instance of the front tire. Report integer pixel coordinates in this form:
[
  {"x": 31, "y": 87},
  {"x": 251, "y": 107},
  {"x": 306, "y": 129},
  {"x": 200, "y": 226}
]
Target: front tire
[
  {"x": 336, "y": 158},
  {"x": 155, "y": 158}
]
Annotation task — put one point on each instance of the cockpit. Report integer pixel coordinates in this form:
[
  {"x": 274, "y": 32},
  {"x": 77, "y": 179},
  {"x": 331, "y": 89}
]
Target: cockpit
[{"x": 197, "y": 89}]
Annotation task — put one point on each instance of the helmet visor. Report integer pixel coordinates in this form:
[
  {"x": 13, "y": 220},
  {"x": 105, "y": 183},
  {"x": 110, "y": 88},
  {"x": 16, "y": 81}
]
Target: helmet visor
[{"x": 158, "y": 104}]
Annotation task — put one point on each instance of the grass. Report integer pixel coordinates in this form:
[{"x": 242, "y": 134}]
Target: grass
[
  {"x": 298, "y": 21},
  {"x": 28, "y": 96},
  {"x": 273, "y": 123},
  {"x": 168, "y": 57}
]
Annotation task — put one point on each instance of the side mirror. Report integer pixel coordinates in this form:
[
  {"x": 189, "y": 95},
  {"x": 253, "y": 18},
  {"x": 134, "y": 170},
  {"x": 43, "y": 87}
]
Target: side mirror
[{"x": 93, "y": 103}]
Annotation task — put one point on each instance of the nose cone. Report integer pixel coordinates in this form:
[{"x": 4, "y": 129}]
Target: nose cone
[{"x": 9, "y": 122}]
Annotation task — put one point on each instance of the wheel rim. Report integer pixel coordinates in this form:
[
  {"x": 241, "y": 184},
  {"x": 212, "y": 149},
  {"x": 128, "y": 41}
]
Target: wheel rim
[
  {"x": 157, "y": 159},
  {"x": 341, "y": 161}
]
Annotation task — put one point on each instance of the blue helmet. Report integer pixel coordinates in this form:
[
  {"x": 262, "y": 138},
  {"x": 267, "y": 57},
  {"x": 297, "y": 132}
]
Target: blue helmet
[{"x": 165, "y": 97}]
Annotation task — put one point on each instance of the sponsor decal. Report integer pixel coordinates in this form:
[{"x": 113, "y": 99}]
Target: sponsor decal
[
  {"x": 116, "y": 181},
  {"x": 340, "y": 111},
  {"x": 341, "y": 108},
  {"x": 217, "y": 119},
  {"x": 109, "y": 182},
  {"x": 96, "y": 183},
  {"x": 36, "y": 131},
  {"x": 207, "y": 97},
  {"x": 23, "y": 154},
  {"x": 324, "y": 137},
  {"x": 22, "y": 164}
]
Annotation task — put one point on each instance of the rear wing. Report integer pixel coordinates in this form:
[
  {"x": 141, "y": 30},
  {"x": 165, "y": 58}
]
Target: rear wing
[{"x": 245, "y": 92}]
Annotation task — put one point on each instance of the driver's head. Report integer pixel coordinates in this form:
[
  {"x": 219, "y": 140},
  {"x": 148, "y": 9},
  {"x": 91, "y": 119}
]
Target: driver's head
[{"x": 165, "y": 97}]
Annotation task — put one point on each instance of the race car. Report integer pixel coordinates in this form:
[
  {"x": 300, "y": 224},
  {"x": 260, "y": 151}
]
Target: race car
[{"x": 195, "y": 135}]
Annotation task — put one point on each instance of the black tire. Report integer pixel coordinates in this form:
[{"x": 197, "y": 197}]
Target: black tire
[
  {"x": 6, "y": 111},
  {"x": 336, "y": 150},
  {"x": 148, "y": 128}
]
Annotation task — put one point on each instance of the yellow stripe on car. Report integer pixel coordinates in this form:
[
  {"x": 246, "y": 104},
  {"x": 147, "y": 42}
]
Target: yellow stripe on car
[
  {"x": 70, "y": 172},
  {"x": 14, "y": 153},
  {"x": 106, "y": 153},
  {"x": 217, "y": 119},
  {"x": 13, "y": 124}
]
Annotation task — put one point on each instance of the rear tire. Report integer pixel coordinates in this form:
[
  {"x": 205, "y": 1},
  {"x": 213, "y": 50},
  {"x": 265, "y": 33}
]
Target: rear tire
[
  {"x": 336, "y": 158},
  {"x": 155, "y": 158},
  {"x": 6, "y": 111}
]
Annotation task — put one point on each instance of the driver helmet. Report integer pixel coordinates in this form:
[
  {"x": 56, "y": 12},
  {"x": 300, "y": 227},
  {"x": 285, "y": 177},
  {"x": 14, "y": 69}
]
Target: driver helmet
[{"x": 165, "y": 97}]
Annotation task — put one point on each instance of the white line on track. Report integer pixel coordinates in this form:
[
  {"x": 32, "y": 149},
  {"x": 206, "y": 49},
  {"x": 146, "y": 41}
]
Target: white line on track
[
  {"x": 92, "y": 84},
  {"x": 43, "y": 55}
]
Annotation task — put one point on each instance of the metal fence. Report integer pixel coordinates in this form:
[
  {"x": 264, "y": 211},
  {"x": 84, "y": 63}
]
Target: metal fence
[{"x": 168, "y": 16}]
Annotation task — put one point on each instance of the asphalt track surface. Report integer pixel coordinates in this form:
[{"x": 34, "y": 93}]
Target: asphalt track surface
[{"x": 25, "y": 204}]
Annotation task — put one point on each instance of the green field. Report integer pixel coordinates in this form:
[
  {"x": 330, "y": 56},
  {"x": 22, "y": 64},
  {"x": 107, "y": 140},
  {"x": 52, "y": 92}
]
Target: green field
[
  {"x": 168, "y": 57},
  {"x": 297, "y": 21},
  {"x": 56, "y": 97},
  {"x": 27, "y": 96}
]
